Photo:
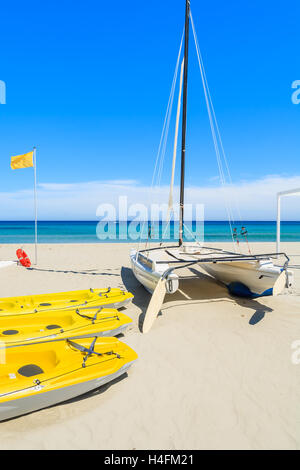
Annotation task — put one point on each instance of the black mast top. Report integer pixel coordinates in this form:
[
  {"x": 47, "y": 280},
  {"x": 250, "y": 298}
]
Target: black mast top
[{"x": 184, "y": 111}]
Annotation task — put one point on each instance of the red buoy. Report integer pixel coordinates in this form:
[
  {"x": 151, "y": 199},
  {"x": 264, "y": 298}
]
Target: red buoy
[{"x": 23, "y": 258}]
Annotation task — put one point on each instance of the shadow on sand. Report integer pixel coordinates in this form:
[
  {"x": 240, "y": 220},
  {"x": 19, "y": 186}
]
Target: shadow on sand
[{"x": 194, "y": 287}]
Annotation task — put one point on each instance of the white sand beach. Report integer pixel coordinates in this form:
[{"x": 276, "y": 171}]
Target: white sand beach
[{"x": 215, "y": 372}]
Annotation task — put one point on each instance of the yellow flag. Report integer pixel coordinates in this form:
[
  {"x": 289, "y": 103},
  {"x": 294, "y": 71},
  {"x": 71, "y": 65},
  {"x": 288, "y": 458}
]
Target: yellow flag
[{"x": 22, "y": 161}]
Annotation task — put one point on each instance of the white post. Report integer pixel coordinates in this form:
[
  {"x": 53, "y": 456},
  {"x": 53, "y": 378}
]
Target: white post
[
  {"x": 35, "y": 206},
  {"x": 290, "y": 192},
  {"x": 278, "y": 225}
]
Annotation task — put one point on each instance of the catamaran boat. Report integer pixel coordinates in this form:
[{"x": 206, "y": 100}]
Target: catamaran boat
[
  {"x": 158, "y": 268},
  {"x": 245, "y": 276}
]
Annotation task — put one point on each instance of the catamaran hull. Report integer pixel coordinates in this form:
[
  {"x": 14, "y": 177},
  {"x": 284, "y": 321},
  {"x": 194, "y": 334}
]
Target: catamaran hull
[
  {"x": 243, "y": 279},
  {"x": 42, "y": 399},
  {"x": 249, "y": 279},
  {"x": 149, "y": 278}
]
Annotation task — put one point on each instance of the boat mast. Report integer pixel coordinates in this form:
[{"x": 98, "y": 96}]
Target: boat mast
[{"x": 184, "y": 112}]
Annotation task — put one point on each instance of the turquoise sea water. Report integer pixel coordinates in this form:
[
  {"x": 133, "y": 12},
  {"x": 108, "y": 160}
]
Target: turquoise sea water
[{"x": 92, "y": 232}]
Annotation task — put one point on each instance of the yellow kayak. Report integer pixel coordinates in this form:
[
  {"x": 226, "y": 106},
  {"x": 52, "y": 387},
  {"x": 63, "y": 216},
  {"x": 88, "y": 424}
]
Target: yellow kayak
[
  {"x": 39, "y": 375},
  {"x": 113, "y": 298},
  {"x": 75, "y": 323}
]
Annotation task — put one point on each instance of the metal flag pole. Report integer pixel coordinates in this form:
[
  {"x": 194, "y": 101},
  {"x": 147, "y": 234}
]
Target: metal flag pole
[{"x": 35, "y": 205}]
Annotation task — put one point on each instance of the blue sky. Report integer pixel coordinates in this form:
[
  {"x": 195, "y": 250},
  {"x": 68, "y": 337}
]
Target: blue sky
[{"x": 88, "y": 84}]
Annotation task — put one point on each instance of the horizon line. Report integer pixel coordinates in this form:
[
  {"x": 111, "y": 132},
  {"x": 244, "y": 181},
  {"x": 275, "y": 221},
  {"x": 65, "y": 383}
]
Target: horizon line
[{"x": 143, "y": 221}]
